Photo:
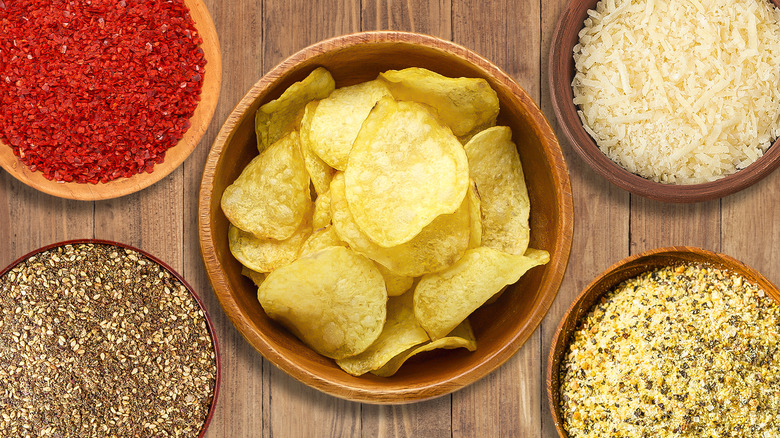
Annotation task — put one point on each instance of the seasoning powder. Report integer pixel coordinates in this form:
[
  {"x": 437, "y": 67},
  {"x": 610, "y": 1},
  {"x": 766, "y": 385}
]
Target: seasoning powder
[
  {"x": 99, "y": 341},
  {"x": 685, "y": 351},
  {"x": 95, "y": 90}
]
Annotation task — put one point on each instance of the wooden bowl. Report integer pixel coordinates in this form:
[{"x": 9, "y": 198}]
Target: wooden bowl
[
  {"x": 500, "y": 328},
  {"x": 165, "y": 266},
  {"x": 606, "y": 282},
  {"x": 174, "y": 156},
  {"x": 561, "y": 68}
]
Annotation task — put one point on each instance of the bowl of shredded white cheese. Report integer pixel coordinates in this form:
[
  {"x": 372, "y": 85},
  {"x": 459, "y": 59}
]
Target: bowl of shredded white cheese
[{"x": 677, "y": 101}]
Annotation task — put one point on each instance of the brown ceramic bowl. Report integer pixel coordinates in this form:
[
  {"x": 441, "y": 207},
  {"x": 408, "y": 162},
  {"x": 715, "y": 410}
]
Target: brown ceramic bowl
[
  {"x": 174, "y": 156},
  {"x": 561, "y": 68},
  {"x": 623, "y": 270},
  {"x": 500, "y": 328},
  {"x": 154, "y": 259}
]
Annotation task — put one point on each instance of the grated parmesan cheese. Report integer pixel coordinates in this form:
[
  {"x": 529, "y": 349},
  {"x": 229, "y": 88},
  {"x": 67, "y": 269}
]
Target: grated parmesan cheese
[{"x": 680, "y": 91}]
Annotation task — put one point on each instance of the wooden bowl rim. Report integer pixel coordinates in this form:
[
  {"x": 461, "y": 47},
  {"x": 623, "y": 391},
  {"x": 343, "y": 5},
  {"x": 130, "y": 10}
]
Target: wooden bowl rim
[
  {"x": 562, "y": 96},
  {"x": 190, "y": 289},
  {"x": 174, "y": 157},
  {"x": 365, "y": 393},
  {"x": 718, "y": 260}
]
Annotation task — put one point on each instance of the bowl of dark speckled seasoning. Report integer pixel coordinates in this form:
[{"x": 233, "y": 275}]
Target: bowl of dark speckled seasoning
[
  {"x": 101, "y": 339},
  {"x": 669, "y": 301}
]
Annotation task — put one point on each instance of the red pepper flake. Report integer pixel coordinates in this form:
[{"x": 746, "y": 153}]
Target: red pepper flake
[{"x": 95, "y": 90}]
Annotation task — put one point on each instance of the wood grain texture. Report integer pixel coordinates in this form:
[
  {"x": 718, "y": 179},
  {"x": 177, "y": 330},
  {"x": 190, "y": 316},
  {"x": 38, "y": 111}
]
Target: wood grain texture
[
  {"x": 432, "y": 418},
  {"x": 515, "y": 46},
  {"x": 258, "y": 399}
]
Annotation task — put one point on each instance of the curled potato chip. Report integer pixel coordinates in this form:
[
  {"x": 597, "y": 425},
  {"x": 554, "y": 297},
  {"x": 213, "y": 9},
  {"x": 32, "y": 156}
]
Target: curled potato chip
[
  {"x": 475, "y": 216},
  {"x": 466, "y": 105},
  {"x": 271, "y": 196},
  {"x": 321, "y": 239},
  {"x": 394, "y": 283},
  {"x": 334, "y": 300},
  {"x": 319, "y": 171},
  {"x": 461, "y": 336},
  {"x": 444, "y": 299},
  {"x": 336, "y": 120},
  {"x": 277, "y": 117},
  {"x": 256, "y": 277},
  {"x": 496, "y": 169},
  {"x": 322, "y": 214},
  {"x": 405, "y": 169},
  {"x": 400, "y": 332},
  {"x": 436, "y": 247},
  {"x": 265, "y": 255}
]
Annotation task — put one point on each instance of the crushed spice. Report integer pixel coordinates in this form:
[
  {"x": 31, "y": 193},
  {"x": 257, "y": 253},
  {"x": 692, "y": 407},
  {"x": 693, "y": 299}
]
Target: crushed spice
[
  {"x": 685, "y": 351},
  {"x": 99, "y": 341},
  {"x": 95, "y": 90}
]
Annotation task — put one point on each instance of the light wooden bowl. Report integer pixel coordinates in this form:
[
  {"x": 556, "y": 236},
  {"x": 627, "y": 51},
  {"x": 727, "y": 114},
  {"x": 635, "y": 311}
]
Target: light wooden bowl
[
  {"x": 606, "y": 282},
  {"x": 174, "y": 156},
  {"x": 561, "y": 68},
  {"x": 209, "y": 325},
  {"x": 501, "y": 328}
]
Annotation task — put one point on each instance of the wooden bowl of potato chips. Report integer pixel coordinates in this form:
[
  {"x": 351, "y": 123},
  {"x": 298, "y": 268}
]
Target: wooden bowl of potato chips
[{"x": 386, "y": 216}]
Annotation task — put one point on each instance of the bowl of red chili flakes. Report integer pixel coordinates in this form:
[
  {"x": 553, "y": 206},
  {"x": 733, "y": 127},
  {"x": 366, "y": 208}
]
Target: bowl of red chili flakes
[{"x": 102, "y": 98}]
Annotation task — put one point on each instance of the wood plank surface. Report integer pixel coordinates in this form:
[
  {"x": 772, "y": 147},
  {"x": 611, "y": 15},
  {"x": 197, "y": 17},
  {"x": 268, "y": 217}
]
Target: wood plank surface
[{"x": 256, "y": 398}]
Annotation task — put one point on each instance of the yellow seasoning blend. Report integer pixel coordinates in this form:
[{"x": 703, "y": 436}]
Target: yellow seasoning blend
[{"x": 686, "y": 351}]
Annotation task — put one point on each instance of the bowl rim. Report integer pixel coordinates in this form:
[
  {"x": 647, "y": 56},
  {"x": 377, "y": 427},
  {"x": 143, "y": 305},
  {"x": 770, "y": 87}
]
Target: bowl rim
[
  {"x": 209, "y": 324},
  {"x": 715, "y": 259},
  {"x": 559, "y": 60},
  {"x": 174, "y": 156},
  {"x": 397, "y": 395}
]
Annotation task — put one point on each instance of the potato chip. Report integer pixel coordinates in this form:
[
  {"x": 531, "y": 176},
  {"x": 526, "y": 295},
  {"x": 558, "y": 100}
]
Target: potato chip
[
  {"x": 277, "y": 117},
  {"x": 334, "y": 300},
  {"x": 257, "y": 277},
  {"x": 437, "y": 246},
  {"x": 475, "y": 216},
  {"x": 466, "y": 105},
  {"x": 271, "y": 196},
  {"x": 400, "y": 332},
  {"x": 336, "y": 120},
  {"x": 395, "y": 284},
  {"x": 496, "y": 169},
  {"x": 319, "y": 171},
  {"x": 322, "y": 214},
  {"x": 460, "y": 337},
  {"x": 265, "y": 255},
  {"x": 321, "y": 239},
  {"x": 444, "y": 299},
  {"x": 405, "y": 169}
]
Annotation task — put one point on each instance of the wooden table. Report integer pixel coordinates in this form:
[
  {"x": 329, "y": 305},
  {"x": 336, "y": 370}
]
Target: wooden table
[{"x": 257, "y": 399}]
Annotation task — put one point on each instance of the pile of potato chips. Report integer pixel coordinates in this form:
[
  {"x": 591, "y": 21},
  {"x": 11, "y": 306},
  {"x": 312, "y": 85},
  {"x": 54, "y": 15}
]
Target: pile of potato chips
[{"x": 379, "y": 216}]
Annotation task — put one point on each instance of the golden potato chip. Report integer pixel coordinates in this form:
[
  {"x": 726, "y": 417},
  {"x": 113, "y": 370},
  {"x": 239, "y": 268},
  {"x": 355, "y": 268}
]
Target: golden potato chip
[
  {"x": 394, "y": 283},
  {"x": 466, "y": 105},
  {"x": 256, "y": 277},
  {"x": 496, "y": 169},
  {"x": 277, "y": 117},
  {"x": 334, "y": 300},
  {"x": 400, "y": 332},
  {"x": 405, "y": 169},
  {"x": 460, "y": 337},
  {"x": 322, "y": 214},
  {"x": 265, "y": 255},
  {"x": 437, "y": 246},
  {"x": 475, "y": 216},
  {"x": 444, "y": 299},
  {"x": 271, "y": 196},
  {"x": 337, "y": 119},
  {"x": 319, "y": 171},
  {"x": 321, "y": 239}
]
